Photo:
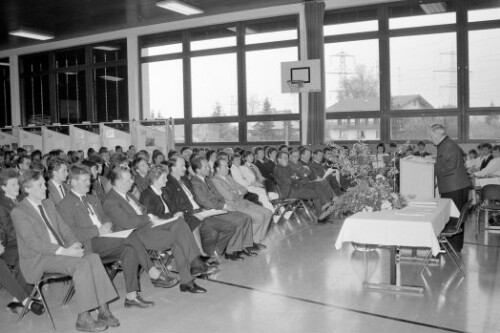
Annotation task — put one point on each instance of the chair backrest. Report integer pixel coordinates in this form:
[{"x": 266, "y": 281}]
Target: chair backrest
[
  {"x": 490, "y": 192},
  {"x": 464, "y": 213}
]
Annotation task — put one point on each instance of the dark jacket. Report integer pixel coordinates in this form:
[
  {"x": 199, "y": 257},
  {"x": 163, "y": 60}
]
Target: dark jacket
[
  {"x": 153, "y": 203},
  {"x": 449, "y": 167}
]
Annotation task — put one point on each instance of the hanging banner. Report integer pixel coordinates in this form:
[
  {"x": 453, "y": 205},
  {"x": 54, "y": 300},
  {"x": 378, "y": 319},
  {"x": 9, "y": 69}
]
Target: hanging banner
[
  {"x": 85, "y": 136},
  {"x": 30, "y": 138},
  {"x": 151, "y": 135},
  {"x": 116, "y": 134},
  {"x": 56, "y": 137},
  {"x": 9, "y": 138}
]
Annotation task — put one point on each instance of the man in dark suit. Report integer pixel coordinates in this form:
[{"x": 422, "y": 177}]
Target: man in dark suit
[
  {"x": 104, "y": 154},
  {"x": 206, "y": 195},
  {"x": 125, "y": 212},
  {"x": 58, "y": 174},
  {"x": 179, "y": 195},
  {"x": 47, "y": 245},
  {"x": 292, "y": 185},
  {"x": 317, "y": 168},
  {"x": 97, "y": 181},
  {"x": 452, "y": 179},
  {"x": 84, "y": 215},
  {"x": 10, "y": 272},
  {"x": 487, "y": 157}
]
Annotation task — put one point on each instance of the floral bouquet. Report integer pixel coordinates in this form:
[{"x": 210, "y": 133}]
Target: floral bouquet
[{"x": 368, "y": 195}]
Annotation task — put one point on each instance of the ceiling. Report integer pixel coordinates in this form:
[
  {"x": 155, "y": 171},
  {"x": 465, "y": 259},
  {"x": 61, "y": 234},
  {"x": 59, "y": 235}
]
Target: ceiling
[{"x": 74, "y": 18}]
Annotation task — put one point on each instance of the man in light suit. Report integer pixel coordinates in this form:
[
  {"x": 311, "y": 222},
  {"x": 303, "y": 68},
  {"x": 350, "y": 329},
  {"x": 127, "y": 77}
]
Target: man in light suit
[
  {"x": 84, "y": 215},
  {"x": 206, "y": 195},
  {"x": 179, "y": 195},
  {"x": 452, "y": 179},
  {"x": 125, "y": 212},
  {"x": 58, "y": 174},
  {"x": 47, "y": 245},
  {"x": 233, "y": 193}
]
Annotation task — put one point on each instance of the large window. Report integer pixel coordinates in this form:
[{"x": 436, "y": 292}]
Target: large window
[
  {"x": 423, "y": 72},
  {"x": 352, "y": 76},
  {"x": 86, "y": 83},
  {"x": 417, "y": 128},
  {"x": 5, "y": 113},
  {"x": 222, "y": 83}
]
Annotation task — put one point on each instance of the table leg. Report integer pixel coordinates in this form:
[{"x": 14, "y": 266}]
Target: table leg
[{"x": 395, "y": 277}]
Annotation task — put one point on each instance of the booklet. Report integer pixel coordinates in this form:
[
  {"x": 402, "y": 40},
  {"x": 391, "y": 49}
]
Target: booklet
[
  {"x": 119, "y": 234},
  {"x": 208, "y": 213},
  {"x": 165, "y": 221}
]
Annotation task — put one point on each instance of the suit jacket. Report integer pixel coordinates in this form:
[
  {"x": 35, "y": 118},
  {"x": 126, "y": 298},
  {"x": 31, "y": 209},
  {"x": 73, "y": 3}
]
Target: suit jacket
[
  {"x": 7, "y": 231},
  {"x": 76, "y": 216},
  {"x": 449, "y": 167},
  {"x": 33, "y": 238},
  {"x": 317, "y": 169},
  {"x": 97, "y": 189},
  {"x": 121, "y": 213},
  {"x": 266, "y": 168},
  {"x": 286, "y": 179},
  {"x": 206, "y": 194},
  {"x": 53, "y": 192},
  {"x": 175, "y": 197},
  {"x": 231, "y": 191},
  {"x": 153, "y": 203},
  {"x": 485, "y": 162}
]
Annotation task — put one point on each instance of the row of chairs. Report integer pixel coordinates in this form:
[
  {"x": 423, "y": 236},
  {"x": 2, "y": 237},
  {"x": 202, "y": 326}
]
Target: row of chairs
[{"x": 161, "y": 258}]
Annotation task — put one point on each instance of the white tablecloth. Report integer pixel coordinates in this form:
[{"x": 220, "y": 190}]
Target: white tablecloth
[
  {"x": 417, "y": 225},
  {"x": 486, "y": 181}
]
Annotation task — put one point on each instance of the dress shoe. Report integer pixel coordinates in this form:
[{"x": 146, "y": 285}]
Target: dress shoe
[
  {"x": 235, "y": 256},
  {"x": 15, "y": 307},
  {"x": 86, "y": 323},
  {"x": 37, "y": 307},
  {"x": 108, "y": 319},
  {"x": 211, "y": 261},
  {"x": 202, "y": 270},
  {"x": 192, "y": 288},
  {"x": 164, "y": 281},
  {"x": 248, "y": 253},
  {"x": 255, "y": 247},
  {"x": 138, "y": 302}
]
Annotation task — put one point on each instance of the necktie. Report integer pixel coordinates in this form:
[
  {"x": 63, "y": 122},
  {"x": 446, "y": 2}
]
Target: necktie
[
  {"x": 62, "y": 191},
  {"x": 86, "y": 203},
  {"x": 51, "y": 228}
]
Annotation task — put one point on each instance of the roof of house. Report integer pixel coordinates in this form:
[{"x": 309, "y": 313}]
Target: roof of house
[{"x": 373, "y": 104}]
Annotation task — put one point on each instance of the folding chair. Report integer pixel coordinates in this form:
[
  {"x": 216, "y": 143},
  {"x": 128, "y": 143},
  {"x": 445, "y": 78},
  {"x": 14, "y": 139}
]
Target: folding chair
[
  {"x": 489, "y": 201},
  {"x": 162, "y": 260},
  {"x": 37, "y": 289},
  {"x": 450, "y": 231}
]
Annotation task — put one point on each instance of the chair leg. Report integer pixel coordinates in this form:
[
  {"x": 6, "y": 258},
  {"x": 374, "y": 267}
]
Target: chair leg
[
  {"x": 427, "y": 260},
  {"x": 47, "y": 308},
  {"x": 445, "y": 243},
  {"x": 477, "y": 222},
  {"x": 25, "y": 308},
  {"x": 69, "y": 294},
  {"x": 308, "y": 212}
]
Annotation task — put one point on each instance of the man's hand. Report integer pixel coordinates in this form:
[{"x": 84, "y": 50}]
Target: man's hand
[
  {"x": 2, "y": 248},
  {"x": 74, "y": 250},
  {"x": 179, "y": 214},
  {"x": 106, "y": 228}
]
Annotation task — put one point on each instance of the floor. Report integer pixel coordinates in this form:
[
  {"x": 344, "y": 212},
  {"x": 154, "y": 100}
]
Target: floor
[{"x": 302, "y": 284}]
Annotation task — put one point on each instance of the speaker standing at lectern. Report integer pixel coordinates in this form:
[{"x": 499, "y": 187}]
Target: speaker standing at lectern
[{"x": 452, "y": 179}]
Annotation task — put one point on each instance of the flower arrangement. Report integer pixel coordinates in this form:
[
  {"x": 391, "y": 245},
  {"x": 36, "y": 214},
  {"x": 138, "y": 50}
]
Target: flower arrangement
[
  {"x": 371, "y": 190},
  {"x": 368, "y": 195}
]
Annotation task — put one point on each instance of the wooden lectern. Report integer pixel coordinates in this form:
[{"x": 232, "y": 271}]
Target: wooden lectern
[{"x": 417, "y": 177}]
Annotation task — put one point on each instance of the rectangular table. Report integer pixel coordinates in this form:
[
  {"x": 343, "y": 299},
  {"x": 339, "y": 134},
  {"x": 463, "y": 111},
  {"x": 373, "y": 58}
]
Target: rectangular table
[{"x": 416, "y": 225}]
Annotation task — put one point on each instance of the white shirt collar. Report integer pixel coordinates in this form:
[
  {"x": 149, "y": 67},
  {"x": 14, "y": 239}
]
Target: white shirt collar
[{"x": 154, "y": 190}]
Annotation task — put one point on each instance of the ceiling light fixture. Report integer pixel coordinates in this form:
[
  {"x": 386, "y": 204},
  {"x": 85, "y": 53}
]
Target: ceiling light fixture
[
  {"x": 111, "y": 78},
  {"x": 433, "y": 8},
  {"x": 179, "y": 7},
  {"x": 106, "y": 48},
  {"x": 28, "y": 33}
]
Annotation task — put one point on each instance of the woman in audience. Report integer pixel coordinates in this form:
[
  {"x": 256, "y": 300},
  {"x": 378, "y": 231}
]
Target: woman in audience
[
  {"x": 157, "y": 157},
  {"x": 211, "y": 157},
  {"x": 380, "y": 157},
  {"x": 267, "y": 166},
  {"x": 493, "y": 167},
  {"x": 471, "y": 160},
  {"x": 140, "y": 169}
]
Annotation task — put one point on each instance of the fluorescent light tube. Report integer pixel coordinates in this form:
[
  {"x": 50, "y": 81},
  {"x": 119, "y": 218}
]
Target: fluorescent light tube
[
  {"x": 111, "y": 78},
  {"x": 179, "y": 7},
  {"x": 106, "y": 48},
  {"x": 26, "y": 33},
  {"x": 4, "y": 64},
  {"x": 433, "y": 8}
]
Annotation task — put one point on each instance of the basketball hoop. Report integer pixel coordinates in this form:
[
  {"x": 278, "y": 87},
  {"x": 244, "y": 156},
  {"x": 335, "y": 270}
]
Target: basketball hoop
[{"x": 295, "y": 85}]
